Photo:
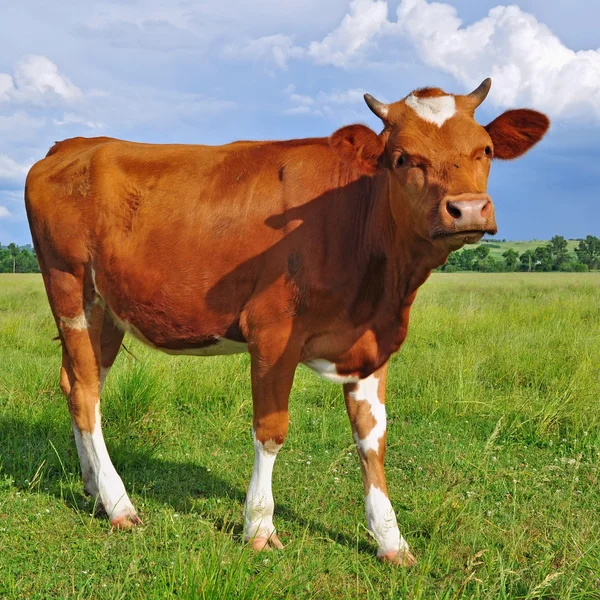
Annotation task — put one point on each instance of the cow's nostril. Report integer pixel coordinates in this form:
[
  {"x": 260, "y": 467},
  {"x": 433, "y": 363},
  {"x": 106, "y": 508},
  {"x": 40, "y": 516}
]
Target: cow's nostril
[
  {"x": 453, "y": 210},
  {"x": 486, "y": 210}
]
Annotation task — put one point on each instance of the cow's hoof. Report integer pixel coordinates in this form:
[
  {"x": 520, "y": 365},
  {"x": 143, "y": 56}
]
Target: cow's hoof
[
  {"x": 261, "y": 543},
  {"x": 126, "y": 521},
  {"x": 400, "y": 558}
]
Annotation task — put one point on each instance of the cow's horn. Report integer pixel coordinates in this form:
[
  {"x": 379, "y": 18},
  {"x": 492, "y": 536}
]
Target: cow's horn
[
  {"x": 478, "y": 96},
  {"x": 379, "y": 108}
]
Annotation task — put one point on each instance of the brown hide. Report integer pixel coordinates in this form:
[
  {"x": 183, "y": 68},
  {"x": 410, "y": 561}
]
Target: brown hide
[{"x": 191, "y": 243}]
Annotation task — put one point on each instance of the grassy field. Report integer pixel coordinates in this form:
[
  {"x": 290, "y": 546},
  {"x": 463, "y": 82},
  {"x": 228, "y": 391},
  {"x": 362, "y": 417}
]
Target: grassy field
[
  {"x": 498, "y": 248},
  {"x": 493, "y": 462}
]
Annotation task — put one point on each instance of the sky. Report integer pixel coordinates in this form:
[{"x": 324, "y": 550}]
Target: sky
[{"x": 206, "y": 72}]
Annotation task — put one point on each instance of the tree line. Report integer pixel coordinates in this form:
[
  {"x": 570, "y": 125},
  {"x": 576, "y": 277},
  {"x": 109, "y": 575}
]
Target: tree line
[
  {"x": 552, "y": 256},
  {"x": 18, "y": 259}
]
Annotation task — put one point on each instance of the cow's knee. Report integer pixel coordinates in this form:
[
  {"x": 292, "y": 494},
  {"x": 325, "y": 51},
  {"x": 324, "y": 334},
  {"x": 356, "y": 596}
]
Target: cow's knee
[{"x": 271, "y": 430}]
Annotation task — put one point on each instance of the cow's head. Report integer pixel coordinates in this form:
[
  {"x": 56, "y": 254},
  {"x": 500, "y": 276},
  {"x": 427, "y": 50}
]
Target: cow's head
[{"x": 438, "y": 159}]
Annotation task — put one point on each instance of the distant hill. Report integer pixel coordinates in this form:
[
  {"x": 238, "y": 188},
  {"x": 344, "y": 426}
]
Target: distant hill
[{"x": 497, "y": 248}]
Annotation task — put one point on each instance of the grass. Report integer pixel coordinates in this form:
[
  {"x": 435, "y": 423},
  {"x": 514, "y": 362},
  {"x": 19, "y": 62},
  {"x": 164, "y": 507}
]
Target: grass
[{"x": 493, "y": 462}]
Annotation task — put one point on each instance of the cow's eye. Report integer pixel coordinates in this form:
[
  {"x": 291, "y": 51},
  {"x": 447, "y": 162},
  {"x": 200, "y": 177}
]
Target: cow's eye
[
  {"x": 401, "y": 160},
  {"x": 488, "y": 151}
]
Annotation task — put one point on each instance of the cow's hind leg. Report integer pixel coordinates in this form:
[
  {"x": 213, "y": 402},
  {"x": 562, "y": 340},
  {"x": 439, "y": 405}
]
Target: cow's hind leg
[
  {"x": 89, "y": 348},
  {"x": 365, "y": 402},
  {"x": 110, "y": 344},
  {"x": 273, "y": 366}
]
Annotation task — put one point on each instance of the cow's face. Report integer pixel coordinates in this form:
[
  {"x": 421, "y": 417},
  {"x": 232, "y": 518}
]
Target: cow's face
[{"x": 438, "y": 158}]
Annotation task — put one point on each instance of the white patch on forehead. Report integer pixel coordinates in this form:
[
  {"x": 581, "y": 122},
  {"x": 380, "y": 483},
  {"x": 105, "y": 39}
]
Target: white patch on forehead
[
  {"x": 328, "y": 370},
  {"x": 436, "y": 110},
  {"x": 366, "y": 391}
]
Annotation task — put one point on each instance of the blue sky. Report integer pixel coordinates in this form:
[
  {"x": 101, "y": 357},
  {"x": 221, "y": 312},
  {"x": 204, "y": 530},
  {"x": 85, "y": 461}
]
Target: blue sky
[{"x": 212, "y": 72}]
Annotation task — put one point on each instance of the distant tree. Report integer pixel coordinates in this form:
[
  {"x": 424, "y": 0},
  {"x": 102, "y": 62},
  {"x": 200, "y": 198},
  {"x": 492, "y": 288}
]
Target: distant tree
[
  {"x": 467, "y": 259},
  {"x": 588, "y": 252},
  {"x": 511, "y": 259},
  {"x": 18, "y": 259},
  {"x": 579, "y": 267},
  {"x": 453, "y": 263},
  {"x": 490, "y": 265},
  {"x": 542, "y": 256},
  {"x": 5, "y": 260},
  {"x": 527, "y": 261},
  {"x": 14, "y": 252},
  {"x": 559, "y": 252},
  {"x": 482, "y": 252},
  {"x": 26, "y": 261}
]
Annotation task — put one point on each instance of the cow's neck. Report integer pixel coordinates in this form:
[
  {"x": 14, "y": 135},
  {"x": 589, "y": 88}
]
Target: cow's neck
[
  {"x": 410, "y": 258},
  {"x": 403, "y": 261}
]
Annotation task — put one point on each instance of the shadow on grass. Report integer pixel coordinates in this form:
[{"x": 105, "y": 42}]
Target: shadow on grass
[{"x": 39, "y": 455}]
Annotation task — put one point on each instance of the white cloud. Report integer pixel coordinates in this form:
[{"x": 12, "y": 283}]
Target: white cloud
[
  {"x": 271, "y": 48},
  {"x": 299, "y": 110},
  {"x": 365, "y": 19},
  {"x": 324, "y": 103},
  {"x": 301, "y": 99},
  {"x": 11, "y": 169},
  {"x": 19, "y": 122},
  {"x": 37, "y": 80},
  {"x": 73, "y": 119},
  {"x": 4, "y": 212},
  {"x": 528, "y": 63},
  {"x": 351, "y": 96},
  {"x": 139, "y": 14}
]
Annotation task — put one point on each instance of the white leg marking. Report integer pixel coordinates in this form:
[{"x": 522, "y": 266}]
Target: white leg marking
[
  {"x": 436, "y": 110},
  {"x": 366, "y": 391},
  {"x": 328, "y": 370},
  {"x": 259, "y": 501},
  {"x": 381, "y": 521},
  {"x": 99, "y": 475},
  {"x": 80, "y": 322}
]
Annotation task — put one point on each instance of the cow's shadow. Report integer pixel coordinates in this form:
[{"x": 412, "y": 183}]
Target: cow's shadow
[{"x": 27, "y": 446}]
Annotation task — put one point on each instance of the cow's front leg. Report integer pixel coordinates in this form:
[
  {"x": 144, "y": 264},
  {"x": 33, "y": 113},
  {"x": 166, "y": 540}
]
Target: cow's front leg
[
  {"x": 272, "y": 378},
  {"x": 365, "y": 402}
]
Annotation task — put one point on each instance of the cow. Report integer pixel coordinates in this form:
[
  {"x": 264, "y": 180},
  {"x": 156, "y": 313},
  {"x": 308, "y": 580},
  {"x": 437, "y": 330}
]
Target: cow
[{"x": 306, "y": 251}]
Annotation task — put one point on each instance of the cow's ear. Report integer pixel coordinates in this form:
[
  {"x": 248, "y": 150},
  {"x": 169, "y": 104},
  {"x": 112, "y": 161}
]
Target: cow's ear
[
  {"x": 359, "y": 146},
  {"x": 516, "y": 131}
]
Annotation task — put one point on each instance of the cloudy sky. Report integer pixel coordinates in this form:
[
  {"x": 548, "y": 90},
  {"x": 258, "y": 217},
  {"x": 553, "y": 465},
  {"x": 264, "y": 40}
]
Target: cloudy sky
[{"x": 200, "y": 71}]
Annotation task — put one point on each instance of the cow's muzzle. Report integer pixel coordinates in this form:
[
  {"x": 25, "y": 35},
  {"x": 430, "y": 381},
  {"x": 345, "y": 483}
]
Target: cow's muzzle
[{"x": 466, "y": 216}]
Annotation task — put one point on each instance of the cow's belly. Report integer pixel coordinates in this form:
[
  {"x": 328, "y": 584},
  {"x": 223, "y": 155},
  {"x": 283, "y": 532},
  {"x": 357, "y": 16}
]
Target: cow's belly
[
  {"x": 221, "y": 347},
  {"x": 211, "y": 346}
]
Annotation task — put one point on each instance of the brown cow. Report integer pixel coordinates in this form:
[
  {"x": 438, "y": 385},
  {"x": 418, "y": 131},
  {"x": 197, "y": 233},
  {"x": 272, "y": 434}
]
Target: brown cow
[{"x": 303, "y": 251}]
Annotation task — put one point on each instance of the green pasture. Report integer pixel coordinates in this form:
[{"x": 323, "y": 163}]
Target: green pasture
[{"x": 493, "y": 462}]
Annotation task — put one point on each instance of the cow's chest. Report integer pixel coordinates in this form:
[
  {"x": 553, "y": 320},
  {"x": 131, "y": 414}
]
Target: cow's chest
[{"x": 346, "y": 357}]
